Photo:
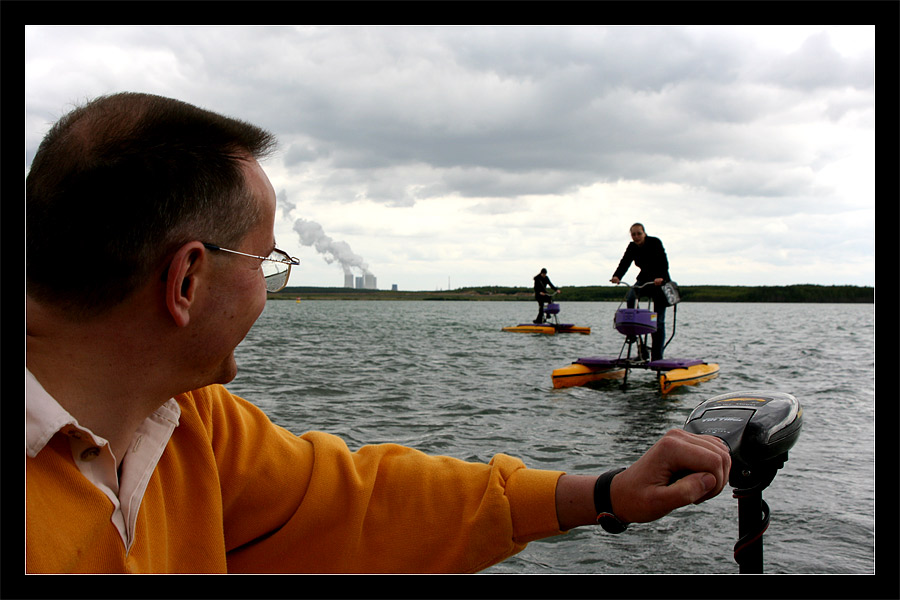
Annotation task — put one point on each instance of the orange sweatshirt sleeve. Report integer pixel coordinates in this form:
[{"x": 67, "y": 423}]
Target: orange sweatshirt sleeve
[{"x": 310, "y": 504}]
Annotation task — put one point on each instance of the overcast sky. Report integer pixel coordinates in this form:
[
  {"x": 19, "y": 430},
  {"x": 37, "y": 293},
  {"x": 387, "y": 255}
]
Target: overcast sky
[{"x": 458, "y": 156}]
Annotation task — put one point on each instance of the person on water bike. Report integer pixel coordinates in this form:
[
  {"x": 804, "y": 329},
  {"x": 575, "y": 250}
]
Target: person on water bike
[
  {"x": 649, "y": 255},
  {"x": 139, "y": 460},
  {"x": 541, "y": 281}
]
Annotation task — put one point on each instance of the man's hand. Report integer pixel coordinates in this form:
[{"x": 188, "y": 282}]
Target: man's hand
[
  {"x": 645, "y": 491},
  {"x": 681, "y": 468}
]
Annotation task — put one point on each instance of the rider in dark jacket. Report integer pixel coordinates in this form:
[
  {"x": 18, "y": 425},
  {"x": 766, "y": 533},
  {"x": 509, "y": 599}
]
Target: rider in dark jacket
[
  {"x": 541, "y": 281},
  {"x": 649, "y": 255}
]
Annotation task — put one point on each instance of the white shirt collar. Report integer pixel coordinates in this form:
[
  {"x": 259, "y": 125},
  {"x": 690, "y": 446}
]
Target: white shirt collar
[{"x": 44, "y": 417}]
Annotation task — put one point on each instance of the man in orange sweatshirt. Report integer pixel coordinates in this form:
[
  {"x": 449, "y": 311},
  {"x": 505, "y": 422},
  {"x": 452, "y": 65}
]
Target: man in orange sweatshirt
[{"x": 138, "y": 460}]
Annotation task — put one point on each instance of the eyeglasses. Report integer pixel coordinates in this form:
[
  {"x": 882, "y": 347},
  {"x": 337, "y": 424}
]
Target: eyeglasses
[{"x": 276, "y": 267}]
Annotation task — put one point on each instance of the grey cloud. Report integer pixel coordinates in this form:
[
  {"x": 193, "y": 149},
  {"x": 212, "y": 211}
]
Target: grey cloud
[
  {"x": 816, "y": 65},
  {"x": 299, "y": 153},
  {"x": 596, "y": 104},
  {"x": 508, "y": 111}
]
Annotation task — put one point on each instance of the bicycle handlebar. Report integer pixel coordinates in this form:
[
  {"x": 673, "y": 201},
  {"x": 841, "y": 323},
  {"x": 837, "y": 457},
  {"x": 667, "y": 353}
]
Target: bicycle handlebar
[{"x": 636, "y": 286}]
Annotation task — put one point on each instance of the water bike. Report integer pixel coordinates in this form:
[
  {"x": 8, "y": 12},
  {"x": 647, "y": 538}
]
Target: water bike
[
  {"x": 636, "y": 324},
  {"x": 550, "y": 324},
  {"x": 759, "y": 428}
]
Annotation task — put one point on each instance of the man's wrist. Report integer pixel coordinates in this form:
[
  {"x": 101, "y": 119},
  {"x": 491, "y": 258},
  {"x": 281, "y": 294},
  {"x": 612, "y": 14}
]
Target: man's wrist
[{"x": 606, "y": 518}]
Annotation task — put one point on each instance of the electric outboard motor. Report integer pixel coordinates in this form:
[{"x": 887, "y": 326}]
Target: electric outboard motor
[{"x": 759, "y": 429}]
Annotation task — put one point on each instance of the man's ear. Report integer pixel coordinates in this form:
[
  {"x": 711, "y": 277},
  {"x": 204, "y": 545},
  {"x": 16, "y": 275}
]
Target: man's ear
[{"x": 181, "y": 281}]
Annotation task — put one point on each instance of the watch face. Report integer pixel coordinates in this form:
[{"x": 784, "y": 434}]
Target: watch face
[{"x": 610, "y": 523}]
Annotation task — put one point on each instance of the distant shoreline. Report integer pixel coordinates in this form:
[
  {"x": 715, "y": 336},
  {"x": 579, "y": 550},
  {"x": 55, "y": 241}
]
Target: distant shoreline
[{"x": 803, "y": 293}]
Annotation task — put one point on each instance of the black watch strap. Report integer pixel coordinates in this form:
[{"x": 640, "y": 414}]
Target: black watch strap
[{"x": 603, "y": 505}]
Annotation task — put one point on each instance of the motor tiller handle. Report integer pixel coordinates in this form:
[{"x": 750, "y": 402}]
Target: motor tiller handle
[{"x": 759, "y": 429}]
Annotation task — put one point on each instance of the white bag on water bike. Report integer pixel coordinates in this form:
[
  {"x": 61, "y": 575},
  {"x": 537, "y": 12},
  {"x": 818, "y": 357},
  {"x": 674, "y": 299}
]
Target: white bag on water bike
[{"x": 670, "y": 289}]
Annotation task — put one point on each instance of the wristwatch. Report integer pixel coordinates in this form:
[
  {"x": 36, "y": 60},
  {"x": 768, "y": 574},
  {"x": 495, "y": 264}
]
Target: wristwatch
[{"x": 602, "y": 503}]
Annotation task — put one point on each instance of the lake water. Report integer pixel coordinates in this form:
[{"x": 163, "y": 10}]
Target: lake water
[{"x": 442, "y": 377}]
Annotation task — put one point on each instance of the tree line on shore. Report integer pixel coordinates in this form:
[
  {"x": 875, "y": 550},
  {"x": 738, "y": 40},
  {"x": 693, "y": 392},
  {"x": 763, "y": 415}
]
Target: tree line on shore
[{"x": 804, "y": 293}]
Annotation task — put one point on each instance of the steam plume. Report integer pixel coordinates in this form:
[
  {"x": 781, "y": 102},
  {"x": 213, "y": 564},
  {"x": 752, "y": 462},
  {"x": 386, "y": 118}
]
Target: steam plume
[{"x": 312, "y": 234}]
